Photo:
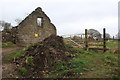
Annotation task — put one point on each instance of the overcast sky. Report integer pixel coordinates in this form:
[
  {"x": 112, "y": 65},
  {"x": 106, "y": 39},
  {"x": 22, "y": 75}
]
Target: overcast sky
[{"x": 69, "y": 16}]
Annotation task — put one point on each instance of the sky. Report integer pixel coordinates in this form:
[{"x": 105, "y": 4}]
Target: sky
[{"x": 69, "y": 16}]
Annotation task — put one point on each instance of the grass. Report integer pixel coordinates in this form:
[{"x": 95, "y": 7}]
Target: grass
[
  {"x": 83, "y": 64},
  {"x": 92, "y": 64},
  {"x": 112, "y": 45},
  {"x": 116, "y": 77},
  {"x": 102, "y": 64},
  {"x": 60, "y": 69},
  {"x": 16, "y": 54},
  {"x": 30, "y": 60},
  {"x": 23, "y": 71},
  {"x": 6, "y": 45},
  {"x": 78, "y": 65}
]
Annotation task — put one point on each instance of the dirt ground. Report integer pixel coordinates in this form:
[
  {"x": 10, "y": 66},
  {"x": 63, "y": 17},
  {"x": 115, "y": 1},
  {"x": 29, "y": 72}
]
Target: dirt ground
[
  {"x": 8, "y": 68},
  {"x": 44, "y": 54}
]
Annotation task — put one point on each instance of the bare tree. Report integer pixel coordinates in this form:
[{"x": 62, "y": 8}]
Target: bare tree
[
  {"x": 94, "y": 34},
  {"x": 5, "y": 25},
  {"x": 107, "y": 36},
  {"x": 18, "y": 20}
]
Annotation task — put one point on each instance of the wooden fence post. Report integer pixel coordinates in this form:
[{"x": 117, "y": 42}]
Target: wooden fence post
[
  {"x": 104, "y": 40},
  {"x": 113, "y": 37},
  {"x": 81, "y": 36},
  {"x": 86, "y": 40}
]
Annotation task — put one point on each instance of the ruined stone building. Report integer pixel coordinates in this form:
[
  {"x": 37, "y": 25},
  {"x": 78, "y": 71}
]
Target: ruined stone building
[{"x": 34, "y": 28}]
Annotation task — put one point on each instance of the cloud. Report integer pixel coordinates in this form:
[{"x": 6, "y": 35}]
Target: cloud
[
  {"x": 69, "y": 16},
  {"x": 78, "y": 27}
]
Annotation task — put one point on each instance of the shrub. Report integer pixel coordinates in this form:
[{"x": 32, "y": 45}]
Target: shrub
[
  {"x": 23, "y": 71},
  {"x": 30, "y": 60},
  {"x": 116, "y": 77}
]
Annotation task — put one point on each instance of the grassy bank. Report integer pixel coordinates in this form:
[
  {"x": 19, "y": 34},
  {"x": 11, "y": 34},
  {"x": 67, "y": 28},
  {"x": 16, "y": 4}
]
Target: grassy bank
[{"x": 88, "y": 64}]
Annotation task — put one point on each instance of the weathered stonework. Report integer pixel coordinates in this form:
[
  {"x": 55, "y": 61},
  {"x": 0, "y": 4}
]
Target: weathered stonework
[{"x": 29, "y": 31}]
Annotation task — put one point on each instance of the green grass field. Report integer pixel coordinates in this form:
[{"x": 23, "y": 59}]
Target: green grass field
[
  {"x": 84, "y": 64},
  {"x": 112, "y": 45},
  {"x": 89, "y": 64}
]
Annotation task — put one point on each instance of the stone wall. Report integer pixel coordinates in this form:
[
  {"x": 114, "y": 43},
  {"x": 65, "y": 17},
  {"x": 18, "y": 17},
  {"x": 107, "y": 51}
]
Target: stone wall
[
  {"x": 8, "y": 35},
  {"x": 24, "y": 33}
]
